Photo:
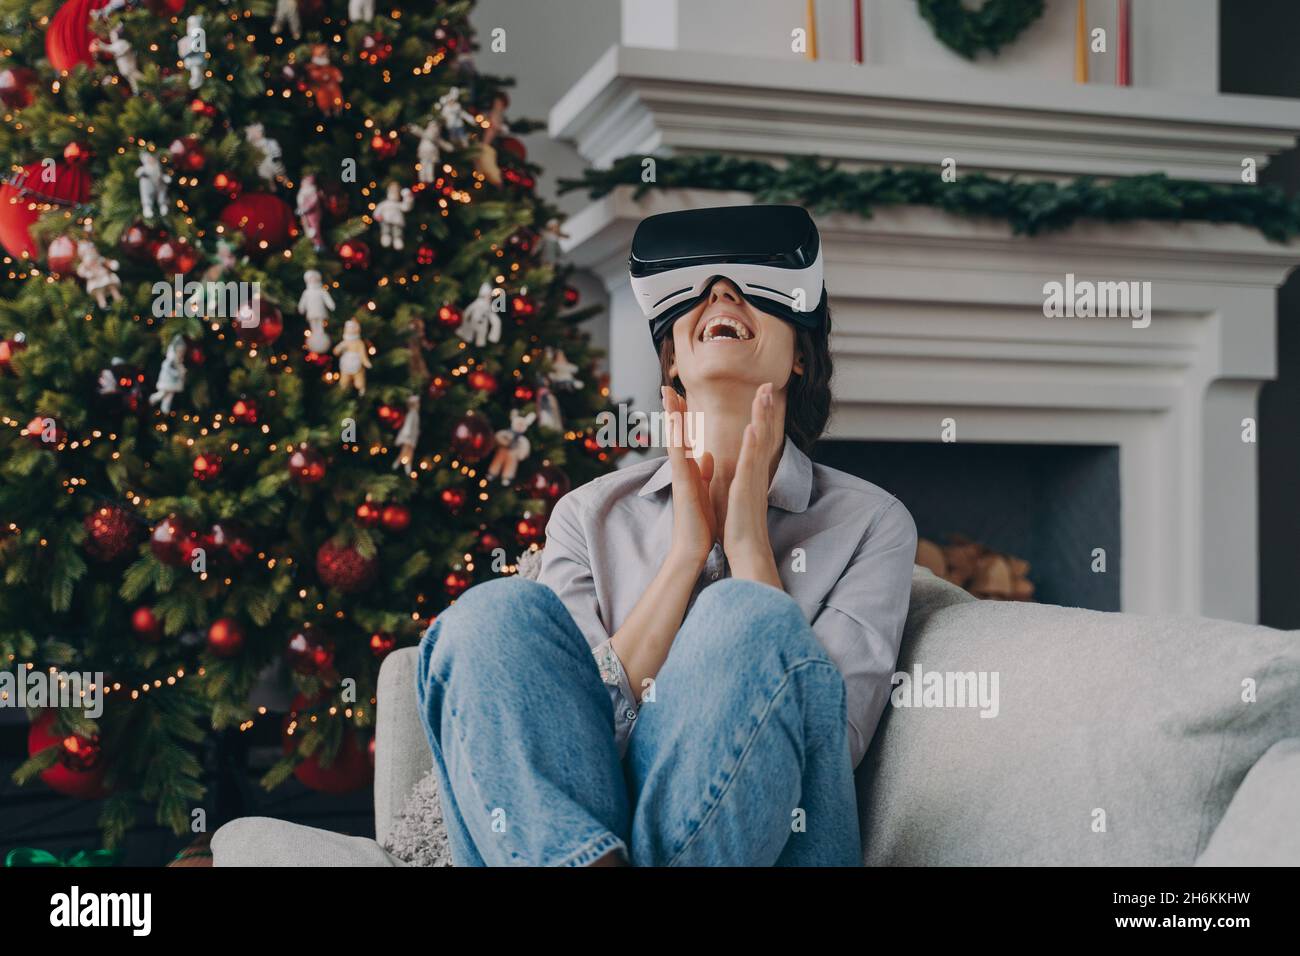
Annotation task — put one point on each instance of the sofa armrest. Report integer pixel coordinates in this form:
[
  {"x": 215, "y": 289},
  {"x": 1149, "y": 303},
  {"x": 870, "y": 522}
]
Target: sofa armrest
[
  {"x": 1262, "y": 824},
  {"x": 402, "y": 754}
]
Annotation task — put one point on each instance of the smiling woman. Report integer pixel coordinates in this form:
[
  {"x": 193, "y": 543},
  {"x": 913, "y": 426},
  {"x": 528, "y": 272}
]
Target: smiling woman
[{"x": 736, "y": 604}]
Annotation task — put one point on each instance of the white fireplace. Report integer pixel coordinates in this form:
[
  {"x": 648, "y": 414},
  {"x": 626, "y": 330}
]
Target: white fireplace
[{"x": 937, "y": 317}]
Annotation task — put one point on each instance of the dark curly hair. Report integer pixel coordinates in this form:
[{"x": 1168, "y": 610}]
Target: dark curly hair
[{"x": 808, "y": 401}]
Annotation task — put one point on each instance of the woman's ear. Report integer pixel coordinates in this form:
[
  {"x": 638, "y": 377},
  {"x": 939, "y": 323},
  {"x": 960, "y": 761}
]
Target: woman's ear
[{"x": 797, "y": 366}]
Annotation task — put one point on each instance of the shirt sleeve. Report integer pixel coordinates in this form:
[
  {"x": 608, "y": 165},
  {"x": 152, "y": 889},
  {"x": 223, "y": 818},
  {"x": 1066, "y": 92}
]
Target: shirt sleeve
[
  {"x": 861, "y": 622},
  {"x": 566, "y": 570}
]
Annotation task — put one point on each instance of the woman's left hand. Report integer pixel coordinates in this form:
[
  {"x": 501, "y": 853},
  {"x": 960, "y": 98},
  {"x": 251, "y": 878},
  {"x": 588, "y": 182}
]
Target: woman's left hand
[{"x": 744, "y": 536}]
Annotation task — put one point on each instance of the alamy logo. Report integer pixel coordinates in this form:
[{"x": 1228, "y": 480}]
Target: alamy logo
[
  {"x": 637, "y": 429},
  {"x": 42, "y": 689},
  {"x": 73, "y": 909},
  {"x": 942, "y": 689},
  {"x": 1086, "y": 299},
  {"x": 208, "y": 299}
]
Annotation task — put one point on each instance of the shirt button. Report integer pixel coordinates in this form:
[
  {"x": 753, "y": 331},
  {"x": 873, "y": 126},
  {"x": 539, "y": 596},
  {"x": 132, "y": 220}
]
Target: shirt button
[
  {"x": 713, "y": 576},
  {"x": 630, "y": 714}
]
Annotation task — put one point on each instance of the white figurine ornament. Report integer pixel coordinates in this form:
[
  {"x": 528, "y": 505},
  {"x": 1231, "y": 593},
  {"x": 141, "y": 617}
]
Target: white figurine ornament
[
  {"x": 191, "y": 49},
  {"x": 429, "y": 151},
  {"x": 361, "y": 11},
  {"x": 171, "y": 377},
  {"x": 153, "y": 185},
  {"x": 119, "y": 47},
  {"x": 512, "y": 447},
  {"x": 390, "y": 214},
  {"x": 286, "y": 15},
  {"x": 353, "y": 357},
  {"x": 408, "y": 436},
  {"x": 480, "y": 323},
  {"x": 315, "y": 305},
  {"x": 454, "y": 117},
  {"x": 100, "y": 274},
  {"x": 270, "y": 167},
  {"x": 309, "y": 210},
  {"x": 561, "y": 370}
]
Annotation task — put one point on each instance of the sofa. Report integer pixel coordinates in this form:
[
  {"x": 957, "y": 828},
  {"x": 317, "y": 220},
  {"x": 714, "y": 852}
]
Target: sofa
[{"x": 1023, "y": 735}]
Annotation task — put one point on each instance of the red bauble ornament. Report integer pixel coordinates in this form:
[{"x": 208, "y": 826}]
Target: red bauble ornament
[
  {"x": 229, "y": 540},
  {"x": 342, "y": 568},
  {"x": 227, "y": 184},
  {"x": 306, "y": 465},
  {"x": 391, "y": 415},
  {"x": 310, "y": 654},
  {"x": 17, "y": 87},
  {"x": 482, "y": 380},
  {"x": 375, "y": 48},
  {"x": 146, "y": 625},
  {"x": 24, "y": 199},
  {"x": 349, "y": 770},
  {"x": 172, "y": 541},
  {"x": 354, "y": 254},
  {"x": 488, "y": 542},
  {"x": 202, "y": 107},
  {"x": 187, "y": 153},
  {"x": 110, "y": 532},
  {"x": 571, "y": 296},
  {"x": 381, "y": 644},
  {"x": 548, "y": 483},
  {"x": 368, "y": 514},
  {"x": 8, "y": 349},
  {"x": 472, "y": 437},
  {"x": 176, "y": 255},
  {"x": 207, "y": 466},
  {"x": 79, "y": 771},
  {"x": 437, "y": 387},
  {"x": 523, "y": 306},
  {"x": 135, "y": 241},
  {"x": 225, "y": 637},
  {"x": 265, "y": 220},
  {"x": 525, "y": 393},
  {"x": 449, "y": 317},
  {"x": 262, "y": 325},
  {"x": 36, "y": 430},
  {"x": 452, "y": 498},
  {"x": 61, "y": 254},
  {"x": 385, "y": 145},
  {"x": 335, "y": 201},
  {"x": 456, "y": 583},
  {"x": 530, "y": 528},
  {"x": 396, "y": 518},
  {"x": 425, "y": 254},
  {"x": 244, "y": 411}
]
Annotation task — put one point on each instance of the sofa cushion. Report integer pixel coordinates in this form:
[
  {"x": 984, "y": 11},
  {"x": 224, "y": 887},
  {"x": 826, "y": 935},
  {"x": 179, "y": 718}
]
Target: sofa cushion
[
  {"x": 1262, "y": 825},
  {"x": 1117, "y": 740},
  {"x": 265, "y": 841}
]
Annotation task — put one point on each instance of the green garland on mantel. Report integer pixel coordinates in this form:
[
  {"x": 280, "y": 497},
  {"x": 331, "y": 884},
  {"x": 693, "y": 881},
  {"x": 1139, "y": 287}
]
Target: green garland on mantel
[
  {"x": 989, "y": 27},
  {"x": 1029, "y": 206}
]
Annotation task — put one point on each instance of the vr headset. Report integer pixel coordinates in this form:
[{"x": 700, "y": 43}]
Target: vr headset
[{"x": 772, "y": 254}]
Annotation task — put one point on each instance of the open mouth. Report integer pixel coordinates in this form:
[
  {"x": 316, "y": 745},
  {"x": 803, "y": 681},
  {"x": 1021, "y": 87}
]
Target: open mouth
[{"x": 725, "y": 328}]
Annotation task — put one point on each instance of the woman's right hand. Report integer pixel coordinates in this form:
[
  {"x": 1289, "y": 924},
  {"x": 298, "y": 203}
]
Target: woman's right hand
[{"x": 695, "y": 527}]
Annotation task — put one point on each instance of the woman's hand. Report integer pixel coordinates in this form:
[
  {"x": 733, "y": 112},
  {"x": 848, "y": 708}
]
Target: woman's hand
[
  {"x": 744, "y": 539},
  {"x": 695, "y": 526}
]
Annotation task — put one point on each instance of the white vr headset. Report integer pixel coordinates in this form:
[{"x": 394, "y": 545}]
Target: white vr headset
[{"x": 772, "y": 254}]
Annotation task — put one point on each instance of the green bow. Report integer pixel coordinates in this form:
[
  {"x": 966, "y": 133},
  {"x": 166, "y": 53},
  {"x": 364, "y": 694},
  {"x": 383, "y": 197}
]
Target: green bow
[{"x": 30, "y": 856}]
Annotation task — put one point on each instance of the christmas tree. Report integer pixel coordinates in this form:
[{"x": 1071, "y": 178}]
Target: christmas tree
[{"x": 286, "y": 364}]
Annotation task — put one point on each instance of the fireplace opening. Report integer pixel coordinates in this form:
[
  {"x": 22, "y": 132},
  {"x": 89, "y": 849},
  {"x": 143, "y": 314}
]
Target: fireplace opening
[{"x": 1050, "y": 505}]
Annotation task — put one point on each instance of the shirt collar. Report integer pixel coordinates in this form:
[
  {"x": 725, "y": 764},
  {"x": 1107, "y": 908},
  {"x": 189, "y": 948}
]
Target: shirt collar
[{"x": 791, "y": 485}]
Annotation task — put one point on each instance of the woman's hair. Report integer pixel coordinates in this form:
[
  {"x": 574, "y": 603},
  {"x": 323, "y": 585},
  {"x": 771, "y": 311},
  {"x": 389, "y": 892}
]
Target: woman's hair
[{"x": 808, "y": 402}]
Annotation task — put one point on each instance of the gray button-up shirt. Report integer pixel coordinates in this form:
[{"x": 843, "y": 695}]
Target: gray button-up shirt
[{"x": 844, "y": 550}]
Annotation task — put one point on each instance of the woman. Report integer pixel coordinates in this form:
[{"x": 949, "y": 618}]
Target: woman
[{"x": 704, "y": 658}]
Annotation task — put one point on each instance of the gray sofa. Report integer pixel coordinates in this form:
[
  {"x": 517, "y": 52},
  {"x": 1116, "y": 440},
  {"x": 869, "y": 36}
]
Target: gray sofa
[{"x": 1112, "y": 739}]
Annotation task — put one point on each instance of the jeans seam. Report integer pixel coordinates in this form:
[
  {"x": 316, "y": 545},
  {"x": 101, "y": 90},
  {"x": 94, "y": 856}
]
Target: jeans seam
[
  {"x": 745, "y": 751},
  {"x": 594, "y": 850}
]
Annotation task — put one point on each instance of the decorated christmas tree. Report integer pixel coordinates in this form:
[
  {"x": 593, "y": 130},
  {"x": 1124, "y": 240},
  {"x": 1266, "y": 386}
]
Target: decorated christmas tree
[{"x": 286, "y": 364}]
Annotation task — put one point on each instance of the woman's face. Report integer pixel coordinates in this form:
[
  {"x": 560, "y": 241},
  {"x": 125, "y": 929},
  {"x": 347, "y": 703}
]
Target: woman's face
[{"x": 726, "y": 341}]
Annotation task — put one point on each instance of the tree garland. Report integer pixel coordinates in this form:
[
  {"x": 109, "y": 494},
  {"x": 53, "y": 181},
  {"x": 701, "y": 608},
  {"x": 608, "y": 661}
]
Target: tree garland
[
  {"x": 995, "y": 24},
  {"x": 1029, "y": 207}
]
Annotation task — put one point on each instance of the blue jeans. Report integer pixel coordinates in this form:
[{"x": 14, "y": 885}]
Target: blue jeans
[{"x": 742, "y": 758}]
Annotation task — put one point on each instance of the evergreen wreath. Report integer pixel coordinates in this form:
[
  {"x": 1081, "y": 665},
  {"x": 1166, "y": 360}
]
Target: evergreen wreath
[
  {"x": 991, "y": 27},
  {"x": 1028, "y": 206}
]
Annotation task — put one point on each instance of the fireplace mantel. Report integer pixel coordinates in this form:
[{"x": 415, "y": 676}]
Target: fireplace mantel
[{"x": 940, "y": 317}]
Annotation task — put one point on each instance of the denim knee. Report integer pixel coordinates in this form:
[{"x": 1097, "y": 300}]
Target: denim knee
[
  {"x": 739, "y": 617},
  {"x": 490, "y": 621}
]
